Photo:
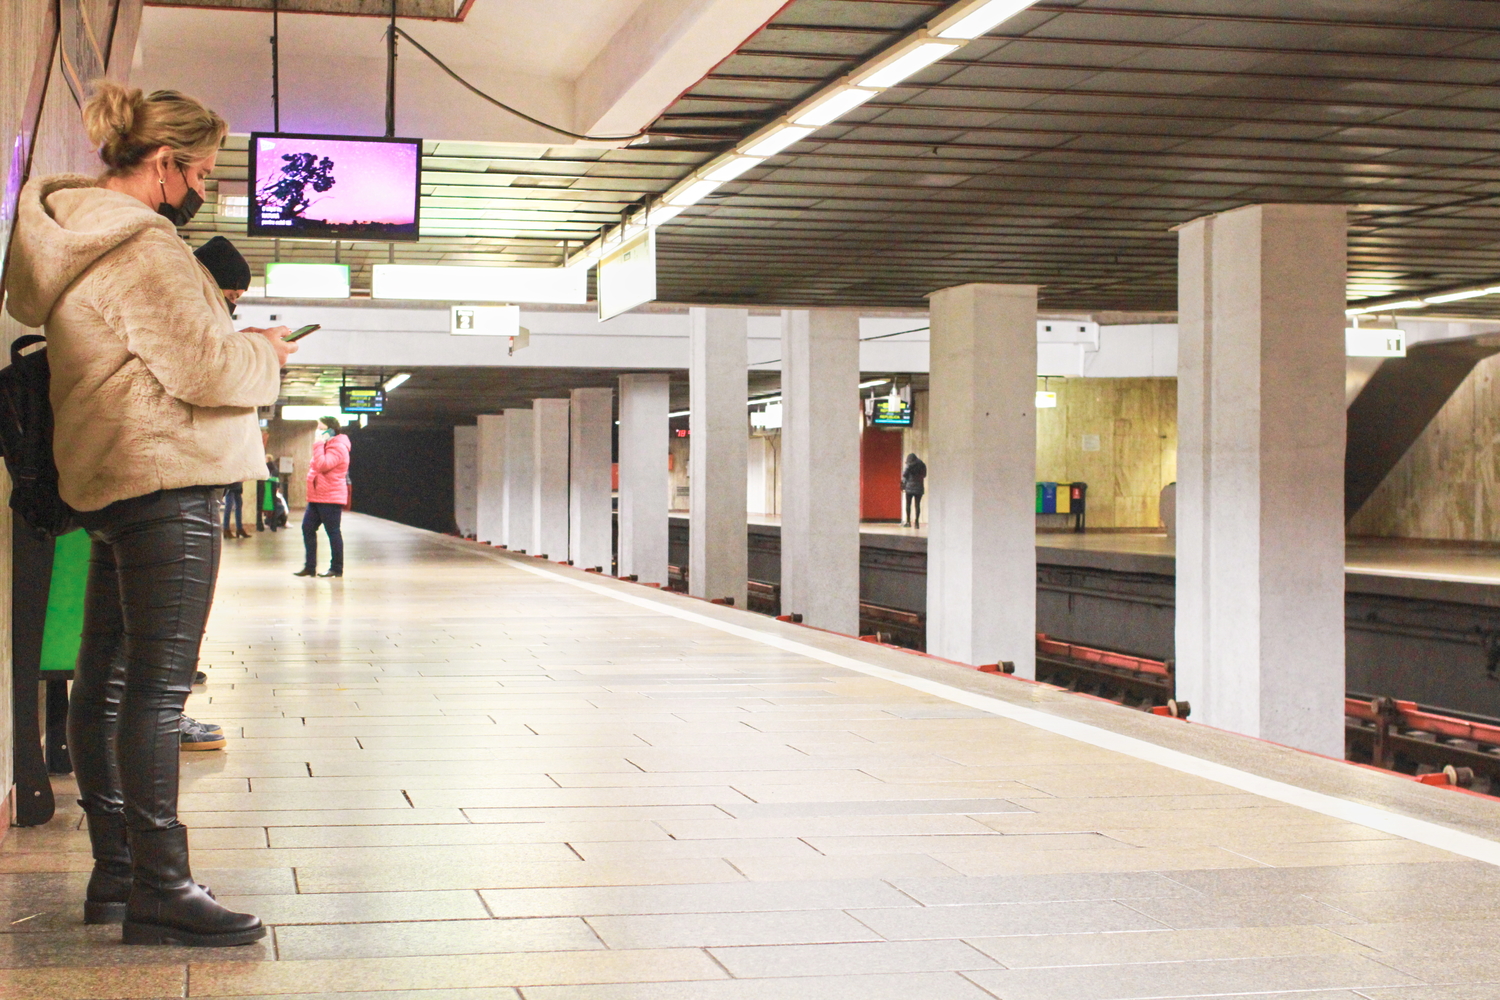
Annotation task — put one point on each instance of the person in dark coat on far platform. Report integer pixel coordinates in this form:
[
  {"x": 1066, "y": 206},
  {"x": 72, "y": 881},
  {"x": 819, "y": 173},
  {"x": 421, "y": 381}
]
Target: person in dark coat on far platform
[{"x": 913, "y": 485}]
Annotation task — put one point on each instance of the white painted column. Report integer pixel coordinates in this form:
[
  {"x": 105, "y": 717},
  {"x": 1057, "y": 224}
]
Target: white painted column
[
  {"x": 820, "y": 431},
  {"x": 466, "y": 481},
  {"x": 549, "y": 493},
  {"x": 489, "y": 455},
  {"x": 1260, "y": 480},
  {"x": 591, "y": 421},
  {"x": 981, "y": 487},
  {"x": 719, "y": 443},
  {"x": 517, "y": 511},
  {"x": 645, "y": 401}
]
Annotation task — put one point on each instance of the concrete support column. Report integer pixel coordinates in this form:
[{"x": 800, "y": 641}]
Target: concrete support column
[
  {"x": 488, "y": 438},
  {"x": 645, "y": 401},
  {"x": 466, "y": 482},
  {"x": 981, "y": 493},
  {"x": 820, "y": 432},
  {"x": 591, "y": 422},
  {"x": 1260, "y": 473},
  {"x": 518, "y": 473},
  {"x": 549, "y": 481},
  {"x": 719, "y": 443}
]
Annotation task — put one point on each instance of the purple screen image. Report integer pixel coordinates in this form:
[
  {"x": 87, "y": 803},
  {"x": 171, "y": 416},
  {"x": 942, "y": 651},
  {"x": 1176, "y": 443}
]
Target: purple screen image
[{"x": 374, "y": 182}]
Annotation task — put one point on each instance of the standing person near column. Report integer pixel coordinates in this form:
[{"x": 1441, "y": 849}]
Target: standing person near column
[
  {"x": 153, "y": 396},
  {"x": 913, "y": 485},
  {"x": 234, "y": 503},
  {"x": 327, "y": 492}
]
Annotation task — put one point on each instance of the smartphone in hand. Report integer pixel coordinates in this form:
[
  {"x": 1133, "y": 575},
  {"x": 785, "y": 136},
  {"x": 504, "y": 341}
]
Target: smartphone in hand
[{"x": 303, "y": 331}]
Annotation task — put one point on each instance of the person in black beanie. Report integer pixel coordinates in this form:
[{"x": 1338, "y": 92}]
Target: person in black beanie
[{"x": 228, "y": 267}]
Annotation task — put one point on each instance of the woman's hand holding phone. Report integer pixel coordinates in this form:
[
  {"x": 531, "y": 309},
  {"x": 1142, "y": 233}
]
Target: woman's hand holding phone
[{"x": 277, "y": 336}]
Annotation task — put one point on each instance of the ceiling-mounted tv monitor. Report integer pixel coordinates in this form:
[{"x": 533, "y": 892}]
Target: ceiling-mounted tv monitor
[{"x": 334, "y": 187}]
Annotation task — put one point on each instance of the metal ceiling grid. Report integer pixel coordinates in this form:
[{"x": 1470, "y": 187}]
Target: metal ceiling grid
[
  {"x": 449, "y": 395},
  {"x": 1062, "y": 149},
  {"x": 481, "y": 203}
]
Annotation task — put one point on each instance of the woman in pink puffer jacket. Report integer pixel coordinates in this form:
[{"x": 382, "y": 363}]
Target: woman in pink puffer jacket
[{"x": 327, "y": 492}]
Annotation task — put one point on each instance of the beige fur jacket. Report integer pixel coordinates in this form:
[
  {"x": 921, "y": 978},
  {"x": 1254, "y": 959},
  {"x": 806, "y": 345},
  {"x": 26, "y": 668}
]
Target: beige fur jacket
[{"x": 152, "y": 387}]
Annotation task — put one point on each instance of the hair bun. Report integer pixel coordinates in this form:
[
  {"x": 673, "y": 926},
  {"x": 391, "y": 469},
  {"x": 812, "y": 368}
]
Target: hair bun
[{"x": 110, "y": 118}]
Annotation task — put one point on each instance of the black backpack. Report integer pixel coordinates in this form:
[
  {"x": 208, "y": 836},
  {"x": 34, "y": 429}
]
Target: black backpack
[{"x": 26, "y": 441}]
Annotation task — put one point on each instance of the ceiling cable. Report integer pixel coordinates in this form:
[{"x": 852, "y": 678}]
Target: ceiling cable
[
  {"x": 878, "y": 336},
  {"x": 506, "y": 107},
  {"x": 390, "y": 75}
]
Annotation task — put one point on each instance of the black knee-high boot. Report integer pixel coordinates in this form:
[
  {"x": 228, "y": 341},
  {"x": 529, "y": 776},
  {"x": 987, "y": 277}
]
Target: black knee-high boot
[
  {"x": 167, "y": 907},
  {"x": 109, "y": 885}
]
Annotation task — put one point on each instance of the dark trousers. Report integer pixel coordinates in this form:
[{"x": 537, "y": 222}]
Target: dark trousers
[
  {"x": 260, "y": 503},
  {"x": 913, "y": 508},
  {"x": 329, "y": 515},
  {"x": 151, "y": 583},
  {"x": 234, "y": 502}
]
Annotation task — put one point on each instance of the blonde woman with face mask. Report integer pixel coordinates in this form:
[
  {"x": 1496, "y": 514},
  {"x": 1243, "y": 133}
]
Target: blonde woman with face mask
[{"x": 153, "y": 395}]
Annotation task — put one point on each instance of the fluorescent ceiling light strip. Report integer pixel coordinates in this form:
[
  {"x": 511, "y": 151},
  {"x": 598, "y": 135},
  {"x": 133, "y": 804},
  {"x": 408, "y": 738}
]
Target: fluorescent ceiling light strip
[
  {"x": 1420, "y": 831},
  {"x": 396, "y": 381},
  {"x": 919, "y": 58},
  {"x": 878, "y": 381},
  {"x": 1473, "y": 293},
  {"x": 779, "y": 138},
  {"x": 833, "y": 106},
  {"x": 691, "y": 194},
  {"x": 982, "y": 19},
  {"x": 916, "y": 51},
  {"x": 728, "y": 170},
  {"x": 1388, "y": 307}
]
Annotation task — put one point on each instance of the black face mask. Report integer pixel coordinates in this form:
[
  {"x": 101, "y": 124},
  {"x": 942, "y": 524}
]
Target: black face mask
[{"x": 183, "y": 214}]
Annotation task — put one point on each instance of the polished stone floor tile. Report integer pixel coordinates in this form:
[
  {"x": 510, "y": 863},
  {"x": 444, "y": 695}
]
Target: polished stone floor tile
[
  {"x": 434, "y": 937},
  {"x": 909, "y": 986},
  {"x": 1024, "y": 951},
  {"x": 704, "y": 930},
  {"x": 450, "y": 778},
  {"x": 1190, "y": 979}
]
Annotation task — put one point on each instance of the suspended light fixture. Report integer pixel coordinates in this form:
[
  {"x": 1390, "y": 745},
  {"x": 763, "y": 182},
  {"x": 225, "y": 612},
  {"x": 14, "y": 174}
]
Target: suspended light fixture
[{"x": 978, "y": 19}]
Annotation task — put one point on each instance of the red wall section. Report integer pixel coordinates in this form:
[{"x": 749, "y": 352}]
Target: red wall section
[{"x": 880, "y": 461}]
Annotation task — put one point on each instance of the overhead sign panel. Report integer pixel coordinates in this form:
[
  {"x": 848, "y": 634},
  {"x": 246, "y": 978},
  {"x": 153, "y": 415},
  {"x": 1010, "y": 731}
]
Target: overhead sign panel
[
  {"x": 485, "y": 321},
  {"x": 1371, "y": 343},
  {"x": 627, "y": 276},
  {"x": 307, "y": 281},
  {"x": 444, "y": 282}
]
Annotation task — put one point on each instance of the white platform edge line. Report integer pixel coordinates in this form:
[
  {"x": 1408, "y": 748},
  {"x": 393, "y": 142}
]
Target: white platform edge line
[{"x": 1373, "y": 817}]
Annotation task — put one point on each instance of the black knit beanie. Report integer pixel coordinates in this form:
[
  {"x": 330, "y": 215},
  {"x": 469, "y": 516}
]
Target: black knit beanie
[{"x": 224, "y": 263}]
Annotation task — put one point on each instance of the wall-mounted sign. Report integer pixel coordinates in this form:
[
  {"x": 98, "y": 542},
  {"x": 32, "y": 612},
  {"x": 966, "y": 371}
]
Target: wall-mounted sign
[
  {"x": 484, "y": 321},
  {"x": 891, "y": 411},
  {"x": 1367, "y": 342}
]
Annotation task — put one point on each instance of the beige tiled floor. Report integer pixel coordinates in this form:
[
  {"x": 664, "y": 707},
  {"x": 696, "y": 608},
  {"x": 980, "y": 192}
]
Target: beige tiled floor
[{"x": 449, "y": 779}]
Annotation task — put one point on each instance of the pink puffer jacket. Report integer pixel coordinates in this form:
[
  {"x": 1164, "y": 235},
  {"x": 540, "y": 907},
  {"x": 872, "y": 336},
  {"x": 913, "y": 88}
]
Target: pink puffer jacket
[{"x": 328, "y": 475}]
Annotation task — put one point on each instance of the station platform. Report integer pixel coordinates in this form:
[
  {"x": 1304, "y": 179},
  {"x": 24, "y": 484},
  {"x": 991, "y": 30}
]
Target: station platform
[{"x": 459, "y": 774}]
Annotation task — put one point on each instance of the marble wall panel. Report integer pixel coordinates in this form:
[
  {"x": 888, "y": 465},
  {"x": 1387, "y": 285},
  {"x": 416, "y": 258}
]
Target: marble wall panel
[
  {"x": 1133, "y": 422},
  {"x": 1447, "y": 486}
]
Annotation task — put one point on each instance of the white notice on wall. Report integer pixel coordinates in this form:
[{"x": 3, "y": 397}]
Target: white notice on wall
[
  {"x": 1373, "y": 343},
  {"x": 484, "y": 321},
  {"x": 1090, "y": 442}
]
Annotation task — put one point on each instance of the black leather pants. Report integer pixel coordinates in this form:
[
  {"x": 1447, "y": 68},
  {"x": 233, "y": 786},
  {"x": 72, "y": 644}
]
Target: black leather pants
[{"x": 151, "y": 582}]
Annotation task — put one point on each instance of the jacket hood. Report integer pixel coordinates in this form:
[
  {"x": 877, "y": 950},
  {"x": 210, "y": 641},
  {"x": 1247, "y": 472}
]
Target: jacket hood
[{"x": 64, "y": 223}]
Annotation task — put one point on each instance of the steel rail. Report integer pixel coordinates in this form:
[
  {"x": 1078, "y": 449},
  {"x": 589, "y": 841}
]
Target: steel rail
[
  {"x": 1054, "y": 92},
  {"x": 1147, "y": 44},
  {"x": 812, "y": 81},
  {"x": 1226, "y": 121},
  {"x": 1153, "y": 156}
]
